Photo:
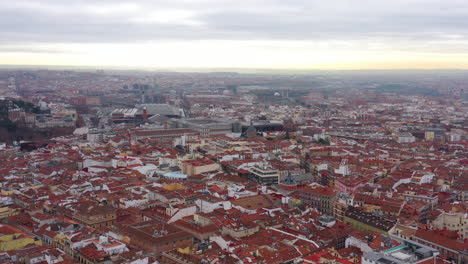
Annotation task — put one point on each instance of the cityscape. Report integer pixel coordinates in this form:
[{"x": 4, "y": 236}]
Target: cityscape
[{"x": 237, "y": 153}]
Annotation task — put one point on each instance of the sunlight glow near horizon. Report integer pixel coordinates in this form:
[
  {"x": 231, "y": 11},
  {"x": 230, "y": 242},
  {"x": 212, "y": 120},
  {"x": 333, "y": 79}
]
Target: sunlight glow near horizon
[{"x": 233, "y": 54}]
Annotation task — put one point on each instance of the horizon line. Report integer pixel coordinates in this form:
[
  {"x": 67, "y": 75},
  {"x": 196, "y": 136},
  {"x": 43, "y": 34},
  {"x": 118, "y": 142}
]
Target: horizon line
[{"x": 210, "y": 69}]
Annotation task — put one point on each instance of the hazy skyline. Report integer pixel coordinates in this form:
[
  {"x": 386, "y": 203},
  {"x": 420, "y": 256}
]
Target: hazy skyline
[{"x": 276, "y": 34}]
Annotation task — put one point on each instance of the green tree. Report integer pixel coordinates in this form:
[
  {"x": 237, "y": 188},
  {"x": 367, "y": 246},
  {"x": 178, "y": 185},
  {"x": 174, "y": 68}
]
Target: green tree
[{"x": 324, "y": 141}]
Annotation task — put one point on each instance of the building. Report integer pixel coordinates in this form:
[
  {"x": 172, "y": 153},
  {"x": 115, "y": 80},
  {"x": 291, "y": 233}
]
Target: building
[
  {"x": 199, "y": 166},
  {"x": 95, "y": 215},
  {"x": 319, "y": 196},
  {"x": 48, "y": 121},
  {"x": 406, "y": 138},
  {"x": 95, "y": 136},
  {"x": 167, "y": 110},
  {"x": 205, "y": 127},
  {"x": 90, "y": 254},
  {"x": 366, "y": 221},
  {"x": 7, "y": 211},
  {"x": 454, "y": 219},
  {"x": 162, "y": 134},
  {"x": 343, "y": 200},
  {"x": 208, "y": 203},
  {"x": 409, "y": 252},
  {"x": 455, "y": 135},
  {"x": 450, "y": 248},
  {"x": 86, "y": 100},
  {"x": 348, "y": 184},
  {"x": 429, "y": 135},
  {"x": 124, "y": 115},
  {"x": 263, "y": 174},
  {"x": 12, "y": 238},
  {"x": 251, "y": 132},
  {"x": 156, "y": 237},
  {"x": 263, "y": 127}
]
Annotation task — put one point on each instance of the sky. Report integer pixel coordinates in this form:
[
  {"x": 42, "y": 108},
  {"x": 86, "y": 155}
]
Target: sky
[{"x": 266, "y": 34}]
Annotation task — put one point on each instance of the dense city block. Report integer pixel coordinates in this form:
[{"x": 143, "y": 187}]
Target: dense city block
[{"x": 135, "y": 167}]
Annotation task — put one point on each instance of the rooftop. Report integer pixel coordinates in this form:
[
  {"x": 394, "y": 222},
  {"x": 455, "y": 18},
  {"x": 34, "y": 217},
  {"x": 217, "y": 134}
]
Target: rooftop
[{"x": 370, "y": 219}]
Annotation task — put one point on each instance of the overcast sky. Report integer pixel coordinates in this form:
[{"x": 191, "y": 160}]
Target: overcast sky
[{"x": 303, "y": 34}]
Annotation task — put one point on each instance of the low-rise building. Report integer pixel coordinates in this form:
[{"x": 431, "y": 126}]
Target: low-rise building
[
  {"x": 12, "y": 238},
  {"x": 454, "y": 218},
  {"x": 450, "y": 248},
  {"x": 156, "y": 237},
  {"x": 406, "y": 138},
  {"x": 409, "y": 252},
  {"x": 205, "y": 127},
  {"x": 95, "y": 215},
  {"x": 199, "y": 166},
  {"x": 319, "y": 196},
  {"x": 367, "y": 221}
]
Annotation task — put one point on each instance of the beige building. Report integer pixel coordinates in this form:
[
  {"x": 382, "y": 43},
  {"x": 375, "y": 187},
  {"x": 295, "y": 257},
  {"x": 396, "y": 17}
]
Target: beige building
[
  {"x": 240, "y": 230},
  {"x": 199, "y": 166},
  {"x": 95, "y": 216},
  {"x": 7, "y": 211},
  {"x": 429, "y": 135},
  {"x": 455, "y": 219}
]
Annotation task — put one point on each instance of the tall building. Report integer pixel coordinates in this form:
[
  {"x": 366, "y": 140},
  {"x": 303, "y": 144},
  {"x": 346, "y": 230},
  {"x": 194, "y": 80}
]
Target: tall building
[
  {"x": 263, "y": 174},
  {"x": 251, "y": 132}
]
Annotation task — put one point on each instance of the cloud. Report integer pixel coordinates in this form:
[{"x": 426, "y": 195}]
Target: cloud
[
  {"x": 35, "y": 49},
  {"x": 128, "y": 21},
  {"x": 76, "y": 26}
]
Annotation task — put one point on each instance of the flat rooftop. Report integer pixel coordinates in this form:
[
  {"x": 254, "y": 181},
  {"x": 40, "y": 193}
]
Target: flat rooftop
[{"x": 204, "y": 121}]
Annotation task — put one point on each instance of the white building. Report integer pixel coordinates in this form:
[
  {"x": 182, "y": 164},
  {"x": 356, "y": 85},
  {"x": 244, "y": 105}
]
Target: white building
[{"x": 406, "y": 138}]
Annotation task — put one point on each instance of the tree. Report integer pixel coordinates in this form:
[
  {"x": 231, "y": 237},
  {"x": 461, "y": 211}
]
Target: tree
[{"x": 324, "y": 141}]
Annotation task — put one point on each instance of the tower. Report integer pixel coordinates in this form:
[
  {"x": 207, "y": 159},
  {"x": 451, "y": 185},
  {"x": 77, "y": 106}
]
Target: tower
[
  {"x": 145, "y": 113},
  {"x": 251, "y": 131}
]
